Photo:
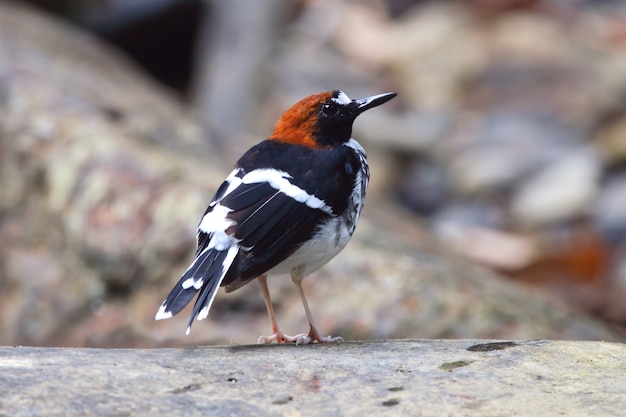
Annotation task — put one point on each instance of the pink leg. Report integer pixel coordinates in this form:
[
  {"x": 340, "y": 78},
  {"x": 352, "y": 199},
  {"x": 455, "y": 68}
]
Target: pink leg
[
  {"x": 278, "y": 336},
  {"x": 314, "y": 334}
]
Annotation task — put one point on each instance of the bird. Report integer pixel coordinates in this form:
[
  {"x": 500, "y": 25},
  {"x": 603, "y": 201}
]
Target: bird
[{"x": 290, "y": 205}]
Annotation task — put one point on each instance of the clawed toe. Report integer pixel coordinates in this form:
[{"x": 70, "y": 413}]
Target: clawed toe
[
  {"x": 299, "y": 339},
  {"x": 280, "y": 337},
  {"x": 307, "y": 339},
  {"x": 314, "y": 336},
  {"x": 330, "y": 339}
]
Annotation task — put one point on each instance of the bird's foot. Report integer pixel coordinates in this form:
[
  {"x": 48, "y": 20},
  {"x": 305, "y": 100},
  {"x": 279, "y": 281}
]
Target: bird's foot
[
  {"x": 314, "y": 336},
  {"x": 280, "y": 337},
  {"x": 306, "y": 339},
  {"x": 299, "y": 339}
]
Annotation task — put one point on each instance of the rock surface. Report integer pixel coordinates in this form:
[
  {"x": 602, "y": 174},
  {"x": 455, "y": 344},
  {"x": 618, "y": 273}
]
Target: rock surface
[{"x": 403, "y": 377}]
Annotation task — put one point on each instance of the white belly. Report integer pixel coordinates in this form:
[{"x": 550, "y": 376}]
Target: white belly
[{"x": 330, "y": 239}]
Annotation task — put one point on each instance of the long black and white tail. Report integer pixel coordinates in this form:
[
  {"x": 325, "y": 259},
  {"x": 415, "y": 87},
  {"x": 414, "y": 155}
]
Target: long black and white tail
[{"x": 205, "y": 276}]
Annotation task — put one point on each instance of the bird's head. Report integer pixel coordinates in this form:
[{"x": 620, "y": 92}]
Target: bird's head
[{"x": 323, "y": 119}]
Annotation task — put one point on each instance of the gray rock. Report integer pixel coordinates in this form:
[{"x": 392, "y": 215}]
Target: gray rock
[{"x": 408, "y": 377}]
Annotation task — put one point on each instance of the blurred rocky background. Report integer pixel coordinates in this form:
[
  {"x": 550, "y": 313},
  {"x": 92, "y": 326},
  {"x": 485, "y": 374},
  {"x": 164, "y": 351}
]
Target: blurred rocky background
[{"x": 497, "y": 207}]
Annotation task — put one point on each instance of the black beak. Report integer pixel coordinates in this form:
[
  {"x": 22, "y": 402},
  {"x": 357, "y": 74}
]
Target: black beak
[{"x": 373, "y": 101}]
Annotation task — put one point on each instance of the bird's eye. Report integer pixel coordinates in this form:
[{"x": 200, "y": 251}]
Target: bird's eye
[{"x": 330, "y": 109}]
